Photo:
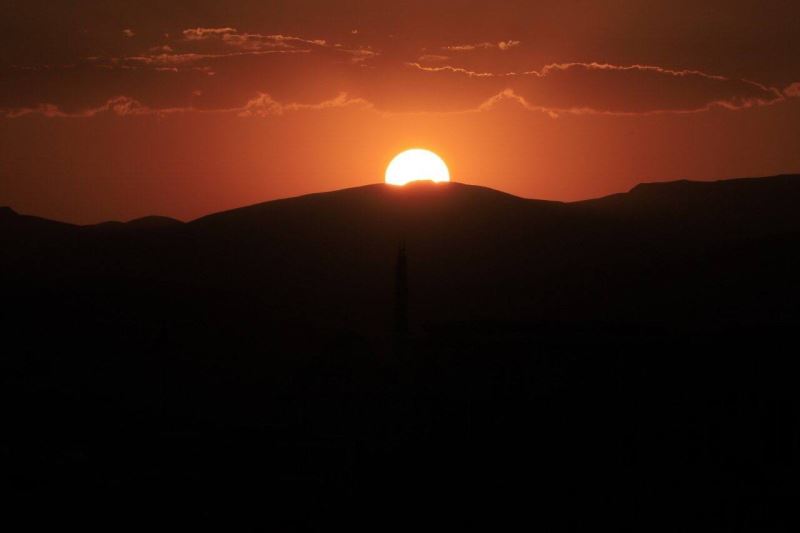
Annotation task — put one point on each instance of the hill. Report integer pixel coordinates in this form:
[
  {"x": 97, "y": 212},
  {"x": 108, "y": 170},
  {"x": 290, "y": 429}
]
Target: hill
[
  {"x": 474, "y": 254},
  {"x": 617, "y": 361}
]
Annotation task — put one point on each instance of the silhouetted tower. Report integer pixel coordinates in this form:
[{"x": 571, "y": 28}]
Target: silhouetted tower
[{"x": 401, "y": 299}]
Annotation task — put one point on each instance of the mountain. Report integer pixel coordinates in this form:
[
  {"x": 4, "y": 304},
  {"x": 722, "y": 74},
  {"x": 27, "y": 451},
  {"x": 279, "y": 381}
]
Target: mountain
[
  {"x": 623, "y": 361},
  {"x": 144, "y": 223},
  {"x": 747, "y": 207},
  {"x": 474, "y": 254}
]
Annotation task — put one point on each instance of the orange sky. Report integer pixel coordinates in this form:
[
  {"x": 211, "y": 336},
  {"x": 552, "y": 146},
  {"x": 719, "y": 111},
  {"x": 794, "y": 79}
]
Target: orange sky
[{"x": 115, "y": 110}]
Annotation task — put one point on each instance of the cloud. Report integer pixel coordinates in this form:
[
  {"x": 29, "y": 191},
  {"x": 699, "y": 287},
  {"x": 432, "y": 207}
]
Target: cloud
[
  {"x": 509, "y": 95},
  {"x": 455, "y": 70},
  {"x": 262, "y": 105},
  {"x": 501, "y": 45},
  {"x": 257, "y": 42},
  {"x": 603, "y": 88},
  {"x": 556, "y": 89},
  {"x": 556, "y": 67},
  {"x": 199, "y": 34},
  {"x": 202, "y": 45},
  {"x": 432, "y": 58},
  {"x": 243, "y": 43},
  {"x": 127, "y": 32},
  {"x": 793, "y": 90},
  {"x": 358, "y": 55},
  {"x": 164, "y": 58},
  {"x": 249, "y": 41},
  {"x": 505, "y": 45},
  {"x": 120, "y": 105}
]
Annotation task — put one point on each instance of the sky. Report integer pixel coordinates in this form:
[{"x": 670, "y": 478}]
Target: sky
[{"x": 113, "y": 110}]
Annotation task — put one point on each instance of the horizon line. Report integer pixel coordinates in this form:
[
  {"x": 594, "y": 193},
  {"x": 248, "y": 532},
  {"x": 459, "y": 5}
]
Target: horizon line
[{"x": 399, "y": 187}]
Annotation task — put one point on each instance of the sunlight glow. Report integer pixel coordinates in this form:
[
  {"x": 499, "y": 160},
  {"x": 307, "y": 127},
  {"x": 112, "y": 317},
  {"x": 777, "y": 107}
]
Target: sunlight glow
[{"x": 416, "y": 164}]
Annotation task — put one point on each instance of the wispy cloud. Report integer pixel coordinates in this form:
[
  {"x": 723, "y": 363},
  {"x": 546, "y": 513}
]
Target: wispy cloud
[
  {"x": 165, "y": 59},
  {"x": 119, "y": 105},
  {"x": 500, "y": 45},
  {"x": 793, "y": 90},
  {"x": 455, "y": 70},
  {"x": 555, "y": 112},
  {"x": 230, "y": 43},
  {"x": 568, "y": 88},
  {"x": 199, "y": 34},
  {"x": 359, "y": 54},
  {"x": 262, "y": 105},
  {"x": 604, "y": 88},
  {"x": 258, "y": 42},
  {"x": 505, "y": 45},
  {"x": 556, "y": 67},
  {"x": 425, "y": 58}
]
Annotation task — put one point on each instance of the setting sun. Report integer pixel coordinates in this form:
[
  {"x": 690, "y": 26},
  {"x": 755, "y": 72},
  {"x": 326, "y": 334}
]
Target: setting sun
[{"x": 415, "y": 165}]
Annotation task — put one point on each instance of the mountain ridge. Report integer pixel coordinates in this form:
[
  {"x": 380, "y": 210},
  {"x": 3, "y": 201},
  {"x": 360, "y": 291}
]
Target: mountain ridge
[
  {"x": 382, "y": 192},
  {"x": 474, "y": 253}
]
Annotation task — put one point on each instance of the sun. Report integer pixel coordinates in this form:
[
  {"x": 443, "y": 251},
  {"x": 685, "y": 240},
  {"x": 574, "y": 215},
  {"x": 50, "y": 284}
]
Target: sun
[{"x": 416, "y": 164}]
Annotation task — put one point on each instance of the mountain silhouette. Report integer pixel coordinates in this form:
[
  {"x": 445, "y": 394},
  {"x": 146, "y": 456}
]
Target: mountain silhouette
[
  {"x": 618, "y": 361},
  {"x": 476, "y": 253},
  {"x": 736, "y": 208}
]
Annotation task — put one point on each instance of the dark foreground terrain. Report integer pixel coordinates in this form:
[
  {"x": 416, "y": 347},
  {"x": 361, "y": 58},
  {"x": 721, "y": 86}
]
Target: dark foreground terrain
[{"x": 626, "y": 362}]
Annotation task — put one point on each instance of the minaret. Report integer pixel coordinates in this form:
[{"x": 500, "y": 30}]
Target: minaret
[{"x": 401, "y": 300}]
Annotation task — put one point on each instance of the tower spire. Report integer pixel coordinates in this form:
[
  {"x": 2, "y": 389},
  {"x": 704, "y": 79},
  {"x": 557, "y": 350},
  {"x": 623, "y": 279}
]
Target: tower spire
[{"x": 401, "y": 299}]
